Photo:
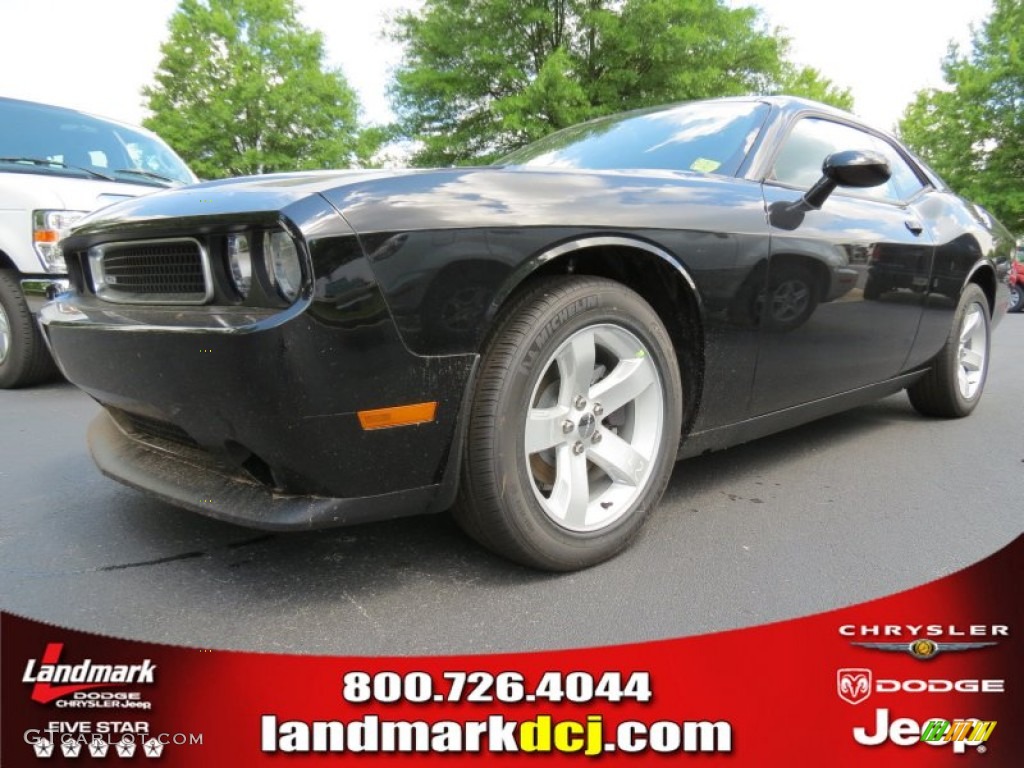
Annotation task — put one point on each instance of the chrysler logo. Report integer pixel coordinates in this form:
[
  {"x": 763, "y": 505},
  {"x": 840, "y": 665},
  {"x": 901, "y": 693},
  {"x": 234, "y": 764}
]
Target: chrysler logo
[
  {"x": 923, "y": 648},
  {"x": 853, "y": 685}
]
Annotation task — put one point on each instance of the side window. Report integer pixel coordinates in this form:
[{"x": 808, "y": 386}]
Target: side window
[
  {"x": 812, "y": 140},
  {"x": 904, "y": 183}
]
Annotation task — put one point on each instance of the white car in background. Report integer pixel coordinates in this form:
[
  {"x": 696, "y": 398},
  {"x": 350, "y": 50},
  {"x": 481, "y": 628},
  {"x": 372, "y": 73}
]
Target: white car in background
[{"x": 56, "y": 165}]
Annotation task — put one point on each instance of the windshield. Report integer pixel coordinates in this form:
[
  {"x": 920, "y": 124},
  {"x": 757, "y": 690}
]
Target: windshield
[
  {"x": 54, "y": 140},
  {"x": 706, "y": 137}
]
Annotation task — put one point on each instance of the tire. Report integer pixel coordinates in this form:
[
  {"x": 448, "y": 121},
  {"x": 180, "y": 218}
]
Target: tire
[
  {"x": 1016, "y": 298},
  {"x": 874, "y": 287},
  {"x": 24, "y": 358},
  {"x": 561, "y": 500},
  {"x": 955, "y": 382}
]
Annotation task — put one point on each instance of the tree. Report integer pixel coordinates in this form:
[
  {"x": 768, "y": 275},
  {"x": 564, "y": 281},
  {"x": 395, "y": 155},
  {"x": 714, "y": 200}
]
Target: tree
[
  {"x": 482, "y": 77},
  {"x": 810, "y": 84},
  {"x": 973, "y": 132},
  {"x": 241, "y": 89}
]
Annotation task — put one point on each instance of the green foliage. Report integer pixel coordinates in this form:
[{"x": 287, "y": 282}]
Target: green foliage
[
  {"x": 241, "y": 89},
  {"x": 973, "y": 133},
  {"x": 482, "y": 77},
  {"x": 809, "y": 83}
]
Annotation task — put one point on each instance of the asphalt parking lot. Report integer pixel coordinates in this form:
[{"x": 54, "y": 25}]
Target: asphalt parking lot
[{"x": 856, "y": 506}]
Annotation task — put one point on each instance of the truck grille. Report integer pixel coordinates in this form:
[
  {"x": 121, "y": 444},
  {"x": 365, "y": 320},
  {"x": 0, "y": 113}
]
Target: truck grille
[{"x": 174, "y": 271}]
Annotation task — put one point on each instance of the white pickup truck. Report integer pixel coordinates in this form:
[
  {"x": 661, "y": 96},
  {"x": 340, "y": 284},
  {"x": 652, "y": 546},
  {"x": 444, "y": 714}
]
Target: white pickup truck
[{"x": 56, "y": 165}]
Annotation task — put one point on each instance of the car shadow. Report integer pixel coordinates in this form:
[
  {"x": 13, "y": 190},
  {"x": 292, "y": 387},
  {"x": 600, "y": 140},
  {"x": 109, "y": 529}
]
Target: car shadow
[{"x": 377, "y": 556}]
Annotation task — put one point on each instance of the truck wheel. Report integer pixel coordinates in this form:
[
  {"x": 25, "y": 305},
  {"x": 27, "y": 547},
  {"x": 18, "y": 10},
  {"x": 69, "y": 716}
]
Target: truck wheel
[
  {"x": 24, "y": 358},
  {"x": 953, "y": 385},
  {"x": 1016, "y": 297},
  {"x": 574, "y": 425}
]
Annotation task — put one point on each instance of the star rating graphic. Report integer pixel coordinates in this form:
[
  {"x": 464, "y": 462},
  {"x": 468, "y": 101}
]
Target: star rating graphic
[
  {"x": 153, "y": 748},
  {"x": 125, "y": 748},
  {"x": 98, "y": 747},
  {"x": 71, "y": 748}
]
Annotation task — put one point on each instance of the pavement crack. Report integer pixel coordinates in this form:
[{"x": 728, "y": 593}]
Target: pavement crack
[
  {"x": 362, "y": 610},
  {"x": 184, "y": 556}
]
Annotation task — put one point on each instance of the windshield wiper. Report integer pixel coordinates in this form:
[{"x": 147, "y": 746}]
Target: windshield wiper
[
  {"x": 148, "y": 175},
  {"x": 58, "y": 163}
]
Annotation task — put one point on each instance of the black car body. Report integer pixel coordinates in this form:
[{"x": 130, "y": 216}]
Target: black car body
[{"x": 356, "y": 399}]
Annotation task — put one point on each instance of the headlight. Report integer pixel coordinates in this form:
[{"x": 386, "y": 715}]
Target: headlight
[
  {"x": 240, "y": 263},
  {"x": 48, "y": 227},
  {"x": 283, "y": 264}
]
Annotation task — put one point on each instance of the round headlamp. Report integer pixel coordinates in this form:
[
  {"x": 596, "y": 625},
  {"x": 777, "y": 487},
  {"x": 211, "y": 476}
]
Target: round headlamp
[
  {"x": 283, "y": 264},
  {"x": 240, "y": 263}
]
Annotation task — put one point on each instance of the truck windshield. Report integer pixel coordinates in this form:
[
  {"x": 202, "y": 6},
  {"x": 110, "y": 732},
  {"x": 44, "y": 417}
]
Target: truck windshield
[{"x": 39, "y": 138}]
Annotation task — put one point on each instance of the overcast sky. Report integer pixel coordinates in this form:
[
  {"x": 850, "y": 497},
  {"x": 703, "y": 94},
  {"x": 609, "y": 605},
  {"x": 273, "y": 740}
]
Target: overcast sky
[{"x": 96, "y": 55}]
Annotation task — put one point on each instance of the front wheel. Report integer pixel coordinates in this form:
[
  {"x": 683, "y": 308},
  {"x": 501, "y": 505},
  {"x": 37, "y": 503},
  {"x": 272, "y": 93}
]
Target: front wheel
[
  {"x": 574, "y": 425},
  {"x": 24, "y": 358},
  {"x": 956, "y": 380},
  {"x": 1016, "y": 298}
]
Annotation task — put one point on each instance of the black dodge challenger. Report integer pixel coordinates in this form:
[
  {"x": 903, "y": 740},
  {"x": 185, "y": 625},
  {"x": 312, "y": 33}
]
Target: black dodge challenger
[{"x": 531, "y": 344}]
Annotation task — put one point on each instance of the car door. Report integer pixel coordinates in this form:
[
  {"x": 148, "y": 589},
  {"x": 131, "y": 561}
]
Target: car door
[{"x": 846, "y": 283}]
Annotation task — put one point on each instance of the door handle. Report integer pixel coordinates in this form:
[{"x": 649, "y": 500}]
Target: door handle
[{"x": 915, "y": 226}]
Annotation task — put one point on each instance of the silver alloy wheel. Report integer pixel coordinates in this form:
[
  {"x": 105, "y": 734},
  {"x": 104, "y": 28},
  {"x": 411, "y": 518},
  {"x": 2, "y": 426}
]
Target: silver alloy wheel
[
  {"x": 789, "y": 300},
  {"x": 1016, "y": 297},
  {"x": 5, "y": 335},
  {"x": 972, "y": 352},
  {"x": 594, "y": 427}
]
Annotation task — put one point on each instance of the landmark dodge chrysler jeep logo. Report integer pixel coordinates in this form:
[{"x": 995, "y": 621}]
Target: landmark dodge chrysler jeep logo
[{"x": 79, "y": 677}]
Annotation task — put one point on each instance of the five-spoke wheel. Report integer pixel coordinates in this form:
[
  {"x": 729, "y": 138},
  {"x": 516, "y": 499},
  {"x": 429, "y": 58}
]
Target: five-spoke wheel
[
  {"x": 574, "y": 424},
  {"x": 953, "y": 385}
]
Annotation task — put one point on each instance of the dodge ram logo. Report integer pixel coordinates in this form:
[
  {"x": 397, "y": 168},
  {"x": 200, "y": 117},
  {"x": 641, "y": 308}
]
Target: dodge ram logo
[{"x": 853, "y": 685}]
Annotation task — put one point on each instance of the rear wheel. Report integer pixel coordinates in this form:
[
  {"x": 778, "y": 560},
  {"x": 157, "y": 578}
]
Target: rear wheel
[
  {"x": 954, "y": 384},
  {"x": 574, "y": 425},
  {"x": 24, "y": 358}
]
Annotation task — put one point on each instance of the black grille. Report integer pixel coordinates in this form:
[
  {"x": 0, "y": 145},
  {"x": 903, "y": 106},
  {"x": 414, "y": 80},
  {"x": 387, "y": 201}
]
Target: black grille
[
  {"x": 143, "y": 426},
  {"x": 155, "y": 269}
]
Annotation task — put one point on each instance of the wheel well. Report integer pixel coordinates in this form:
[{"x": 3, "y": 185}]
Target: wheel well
[
  {"x": 815, "y": 266},
  {"x": 985, "y": 278},
  {"x": 662, "y": 286},
  {"x": 6, "y": 262}
]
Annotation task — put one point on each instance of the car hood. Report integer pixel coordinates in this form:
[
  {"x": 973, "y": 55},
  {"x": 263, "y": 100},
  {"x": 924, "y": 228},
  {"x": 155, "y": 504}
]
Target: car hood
[
  {"x": 244, "y": 194},
  {"x": 492, "y": 196}
]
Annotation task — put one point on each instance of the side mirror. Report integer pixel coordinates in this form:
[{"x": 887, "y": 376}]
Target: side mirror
[{"x": 852, "y": 168}]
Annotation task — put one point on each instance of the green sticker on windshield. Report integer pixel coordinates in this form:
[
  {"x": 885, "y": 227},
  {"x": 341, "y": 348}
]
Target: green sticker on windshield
[{"x": 704, "y": 165}]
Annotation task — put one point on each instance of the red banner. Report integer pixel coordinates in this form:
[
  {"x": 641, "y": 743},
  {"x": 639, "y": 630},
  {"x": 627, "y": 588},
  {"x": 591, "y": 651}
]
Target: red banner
[{"x": 929, "y": 677}]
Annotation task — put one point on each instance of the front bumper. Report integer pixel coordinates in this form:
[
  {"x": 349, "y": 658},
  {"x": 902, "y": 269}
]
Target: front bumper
[
  {"x": 260, "y": 408},
  {"x": 195, "y": 481}
]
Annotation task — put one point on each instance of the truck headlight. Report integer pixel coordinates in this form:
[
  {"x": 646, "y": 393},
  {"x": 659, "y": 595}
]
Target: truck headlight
[
  {"x": 240, "y": 263},
  {"x": 48, "y": 227},
  {"x": 283, "y": 264}
]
